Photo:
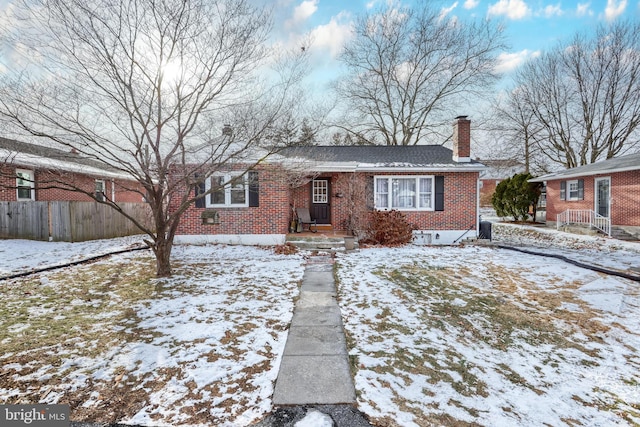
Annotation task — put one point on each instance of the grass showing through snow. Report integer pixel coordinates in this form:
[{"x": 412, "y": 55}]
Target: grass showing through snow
[
  {"x": 467, "y": 336},
  {"x": 446, "y": 336},
  {"x": 118, "y": 345}
]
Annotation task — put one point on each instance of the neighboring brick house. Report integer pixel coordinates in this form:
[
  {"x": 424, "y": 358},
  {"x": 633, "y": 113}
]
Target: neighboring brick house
[
  {"x": 30, "y": 172},
  {"x": 609, "y": 188},
  {"x": 497, "y": 171},
  {"x": 435, "y": 187}
]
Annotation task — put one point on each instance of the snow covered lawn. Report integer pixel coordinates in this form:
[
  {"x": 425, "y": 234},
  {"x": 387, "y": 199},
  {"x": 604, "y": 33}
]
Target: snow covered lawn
[
  {"x": 201, "y": 348},
  {"x": 437, "y": 336},
  {"x": 449, "y": 336}
]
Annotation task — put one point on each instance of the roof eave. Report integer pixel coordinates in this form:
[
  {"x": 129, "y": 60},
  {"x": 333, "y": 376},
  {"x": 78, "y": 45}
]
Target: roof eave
[
  {"x": 29, "y": 160},
  {"x": 561, "y": 175},
  {"x": 422, "y": 168},
  {"x": 355, "y": 167}
]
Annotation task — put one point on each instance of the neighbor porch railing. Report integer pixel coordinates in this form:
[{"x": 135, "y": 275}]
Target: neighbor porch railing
[{"x": 584, "y": 216}]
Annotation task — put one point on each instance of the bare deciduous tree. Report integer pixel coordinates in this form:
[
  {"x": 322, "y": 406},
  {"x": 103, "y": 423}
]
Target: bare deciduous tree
[
  {"x": 514, "y": 132},
  {"x": 145, "y": 86},
  {"x": 409, "y": 68},
  {"x": 584, "y": 96}
]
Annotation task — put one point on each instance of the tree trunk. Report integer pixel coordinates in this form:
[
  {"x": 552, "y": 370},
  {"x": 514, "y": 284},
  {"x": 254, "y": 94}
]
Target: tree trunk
[{"x": 162, "y": 249}]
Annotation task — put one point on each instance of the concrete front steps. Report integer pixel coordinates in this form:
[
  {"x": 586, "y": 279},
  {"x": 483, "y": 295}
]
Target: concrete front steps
[
  {"x": 325, "y": 239},
  {"x": 622, "y": 234},
  {"x": 617, "y": 232}
]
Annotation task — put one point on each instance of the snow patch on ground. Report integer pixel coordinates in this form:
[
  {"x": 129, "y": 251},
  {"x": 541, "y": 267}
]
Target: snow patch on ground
[
  {"x": 315, "y": 418},
  {"x": 226, "y": 310},
  {"x": 19, "y": 255}
]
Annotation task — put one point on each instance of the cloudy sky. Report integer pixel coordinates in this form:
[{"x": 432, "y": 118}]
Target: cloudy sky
[{"x": 531, "y": 25}]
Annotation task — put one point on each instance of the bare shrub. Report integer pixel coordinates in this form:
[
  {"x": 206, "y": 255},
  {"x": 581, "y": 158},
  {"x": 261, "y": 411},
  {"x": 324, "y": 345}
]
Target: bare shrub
[{"x": 389, "y": 228}]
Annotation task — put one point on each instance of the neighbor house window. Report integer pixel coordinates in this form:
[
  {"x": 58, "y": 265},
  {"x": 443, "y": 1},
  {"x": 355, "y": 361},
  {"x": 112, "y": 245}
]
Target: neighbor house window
[
  {"x": 100, "y": 190},
  {"x": 25, "y": 184},
  {"x": 404, "y": 192},
  {"x": 572, "y": 190},
  {"x": 228, "y": 190}
]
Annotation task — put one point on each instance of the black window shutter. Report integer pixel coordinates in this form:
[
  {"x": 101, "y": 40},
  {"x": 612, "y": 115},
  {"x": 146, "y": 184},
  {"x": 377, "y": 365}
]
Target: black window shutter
[
  {"x": 439, "y": 187},
  {"x": 581, "y": 189},
  {"x": 563, "y": 190},
  {"x": 200, "y": 189},
  {"x": 254, "y": 189}
]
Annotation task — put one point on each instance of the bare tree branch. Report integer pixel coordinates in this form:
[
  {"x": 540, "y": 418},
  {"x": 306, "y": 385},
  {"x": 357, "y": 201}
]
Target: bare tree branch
[
  {"x": 144, "y": 87},
  {"x": 584, "y": 96},
  {"x": 408, "y": 68}
]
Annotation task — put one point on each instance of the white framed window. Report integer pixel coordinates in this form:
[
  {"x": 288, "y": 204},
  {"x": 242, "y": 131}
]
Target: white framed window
[
  {"x": 100, "y": 190},
  {"x": 25, "y": 185},
  {"x": 573, "y": 190},
  {"x": 382, "y": 193},
  {"x": 320, "y": 191},
  {"x": 404, "y": 192},
  {"x": 227, "y": 191}
]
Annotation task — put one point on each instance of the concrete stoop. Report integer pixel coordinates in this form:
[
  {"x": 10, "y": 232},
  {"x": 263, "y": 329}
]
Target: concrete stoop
[
  {"x": 321, "y": 243},
  {"x": 586, "y": 230},
  {"x": 622, "y": 234}
]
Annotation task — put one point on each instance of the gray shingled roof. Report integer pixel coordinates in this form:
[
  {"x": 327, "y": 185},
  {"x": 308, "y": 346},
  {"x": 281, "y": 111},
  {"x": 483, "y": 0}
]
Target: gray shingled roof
[
  {"x": 51, "y": 153},
  {"x": 616, "y": 164},
  {"x": 411, "y": 155}
]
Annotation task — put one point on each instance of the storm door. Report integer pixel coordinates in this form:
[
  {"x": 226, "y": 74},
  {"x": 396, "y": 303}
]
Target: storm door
[
  {"x": 320, "y": 201},
  {"x": 603, "y": 196}
]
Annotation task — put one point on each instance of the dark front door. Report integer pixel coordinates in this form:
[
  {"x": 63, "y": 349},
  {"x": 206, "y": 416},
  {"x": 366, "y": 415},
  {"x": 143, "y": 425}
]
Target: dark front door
[{"x": 320, "y": 198}]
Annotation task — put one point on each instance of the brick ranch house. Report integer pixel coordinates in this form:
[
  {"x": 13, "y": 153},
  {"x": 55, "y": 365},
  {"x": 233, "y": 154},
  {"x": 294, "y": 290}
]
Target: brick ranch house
[
  {"x": 28, "y": 173},
  {"x": 609, "y": 188},
  {"x": 435, "y": 187}
]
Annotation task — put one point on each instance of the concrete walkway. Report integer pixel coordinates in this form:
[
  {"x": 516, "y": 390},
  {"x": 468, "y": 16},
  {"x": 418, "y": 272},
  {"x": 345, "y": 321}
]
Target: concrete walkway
[{"x": 315, "y": 365}]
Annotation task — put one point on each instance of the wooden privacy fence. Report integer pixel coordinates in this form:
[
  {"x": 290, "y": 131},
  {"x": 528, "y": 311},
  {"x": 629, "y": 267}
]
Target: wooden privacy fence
[{"x": 69, "y": 221}]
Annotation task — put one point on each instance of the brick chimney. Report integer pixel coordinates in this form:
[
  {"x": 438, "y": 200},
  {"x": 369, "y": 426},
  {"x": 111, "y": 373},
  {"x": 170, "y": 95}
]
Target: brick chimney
[{"x": 462, "y": 140}]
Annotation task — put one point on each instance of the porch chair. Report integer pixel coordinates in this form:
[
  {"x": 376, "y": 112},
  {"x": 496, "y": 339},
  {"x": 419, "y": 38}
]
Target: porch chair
[{"x": 305, "y": 218}]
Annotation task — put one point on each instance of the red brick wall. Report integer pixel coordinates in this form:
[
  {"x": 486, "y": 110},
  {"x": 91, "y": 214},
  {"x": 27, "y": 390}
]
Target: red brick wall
[
  {"x": 462, "y": 137},
  {"x": 460, "y": 204},
  {"x": 7, "y": 180},
  {"x": 625, "y": 203},
  {"x": 625, "y": 197},
  {"x": 460, "y": 201},
  {"x": 124, "y": 190},
  {"x": 271, "y": 217},
  {"x": 487, "y": 190}
]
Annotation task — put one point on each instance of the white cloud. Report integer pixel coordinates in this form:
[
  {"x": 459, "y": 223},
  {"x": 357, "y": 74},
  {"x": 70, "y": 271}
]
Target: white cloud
[
  {"x": 508, "y": 62},
  {"x": 471, "y": 4},
  {"x": 331, "y": 36},
  {"x": 584, "y": 9},
  {"x": 513, "y": 9},
  {"x": 302, "y": 12},
  {"x": 614, "y": 9},
  {"x": 447, "y": 10},
  {"x": 553, "y": 10}
]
